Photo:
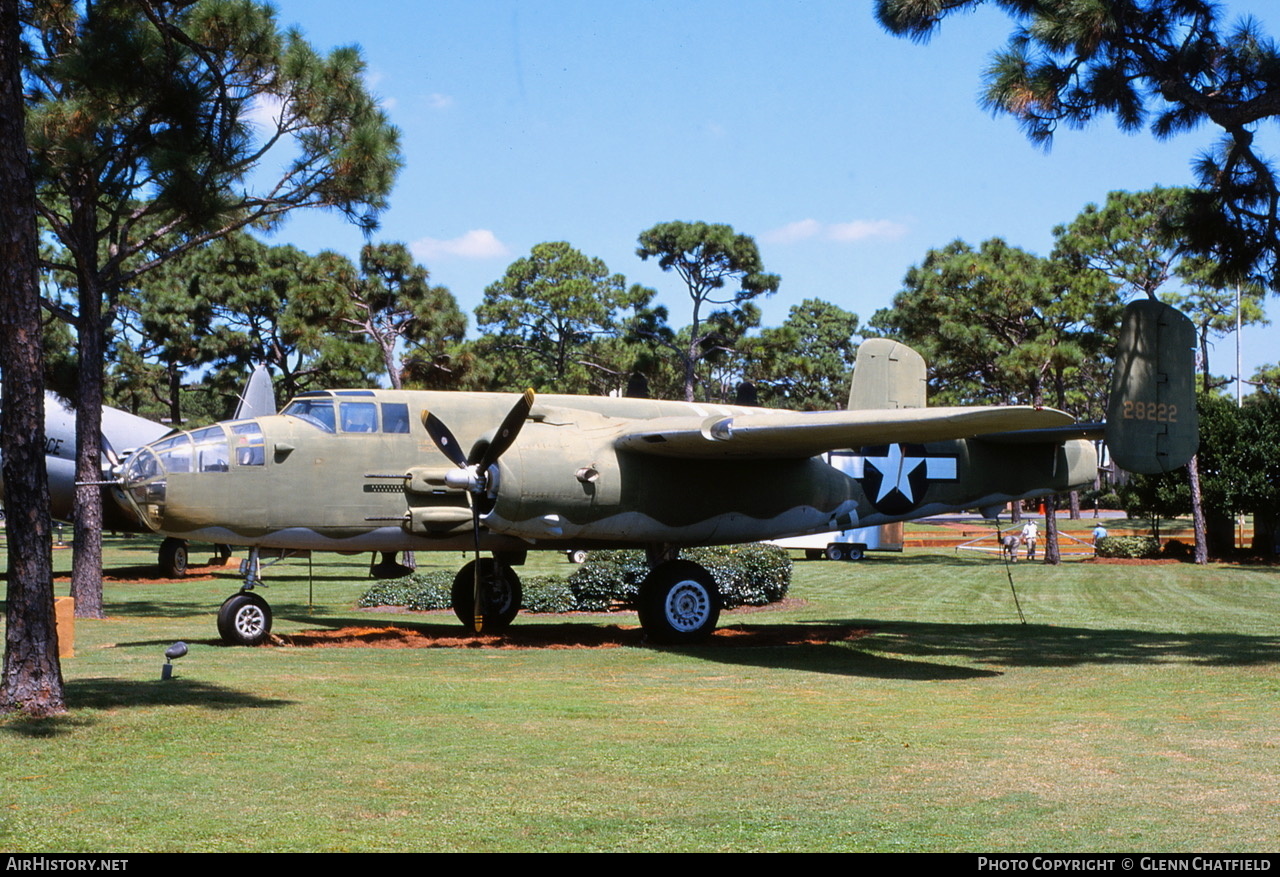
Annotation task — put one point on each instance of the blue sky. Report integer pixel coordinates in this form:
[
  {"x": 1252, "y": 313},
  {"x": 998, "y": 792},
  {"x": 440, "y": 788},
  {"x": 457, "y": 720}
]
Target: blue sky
[{"x": 846, "y": 153}]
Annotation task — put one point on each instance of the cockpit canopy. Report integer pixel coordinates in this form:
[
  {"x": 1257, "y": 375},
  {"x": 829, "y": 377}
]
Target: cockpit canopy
[
  {"x": 212, "y": 449},
  {"x": 349, "y": 415}
]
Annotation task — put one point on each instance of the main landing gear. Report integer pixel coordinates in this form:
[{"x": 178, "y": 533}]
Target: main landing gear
[
  {"x": 173, "y": 558},
  {"x": 679, "y": 603},
  {"x": 500, "y": 595}
]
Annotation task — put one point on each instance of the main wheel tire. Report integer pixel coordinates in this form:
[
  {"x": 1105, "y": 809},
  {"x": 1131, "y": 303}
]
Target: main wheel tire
[
  {"x": 244, "y": 620},
  {"x": 835, "y": 552},
  {"x": 173, "y": 558},
  {"x": 500, "y": 595},
  {"x": 679, "y": 603}
]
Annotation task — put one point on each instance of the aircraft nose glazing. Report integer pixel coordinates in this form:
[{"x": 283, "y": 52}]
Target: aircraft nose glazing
[{"x": 143, "y": 481}]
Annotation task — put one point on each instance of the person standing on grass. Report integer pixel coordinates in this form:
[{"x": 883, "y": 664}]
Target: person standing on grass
[{"x": 1030, "y": 532}]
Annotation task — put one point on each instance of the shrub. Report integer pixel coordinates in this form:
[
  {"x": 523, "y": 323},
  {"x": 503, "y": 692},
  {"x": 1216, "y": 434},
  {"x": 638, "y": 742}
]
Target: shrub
[
  {"x": 608, "y": 580},
  {"x": 747, "y": 575},
  {"x": 547, "y": 594},
  {"x": 421, "y": 591},
  {"x": 1144, "y": 547}
]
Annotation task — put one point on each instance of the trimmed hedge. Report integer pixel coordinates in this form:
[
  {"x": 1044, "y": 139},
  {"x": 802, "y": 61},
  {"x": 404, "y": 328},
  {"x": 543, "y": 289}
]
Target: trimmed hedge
[
  {"x": 747, "y": 575},
  {"x": 1141, "y": 547}
]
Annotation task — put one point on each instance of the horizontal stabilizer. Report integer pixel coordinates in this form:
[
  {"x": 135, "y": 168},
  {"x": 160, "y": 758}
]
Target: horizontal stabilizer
[{"x": 784, "y": 435}]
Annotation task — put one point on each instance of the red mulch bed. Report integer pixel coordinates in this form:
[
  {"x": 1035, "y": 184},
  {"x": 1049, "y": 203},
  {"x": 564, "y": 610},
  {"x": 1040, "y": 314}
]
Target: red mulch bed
[
  {"x": 558, "y": 636},
  {"x": 150, "y": 573}
]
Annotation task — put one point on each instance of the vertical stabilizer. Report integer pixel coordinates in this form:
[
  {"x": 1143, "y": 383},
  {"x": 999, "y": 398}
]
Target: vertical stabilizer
[
  {"x": 887, "y": 374},
  {"x": 259, "y": 399},
  {"x": 1152, "y": 425}
]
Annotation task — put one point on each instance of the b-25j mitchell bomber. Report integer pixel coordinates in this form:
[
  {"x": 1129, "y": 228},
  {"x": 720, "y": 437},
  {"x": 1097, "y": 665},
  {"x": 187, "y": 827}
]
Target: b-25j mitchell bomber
[{"x": 388, "y": 470}]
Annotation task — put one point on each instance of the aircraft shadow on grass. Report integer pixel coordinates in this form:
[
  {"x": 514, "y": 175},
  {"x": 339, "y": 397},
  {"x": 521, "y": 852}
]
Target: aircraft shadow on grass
[{"x": 1041, "y": 645}]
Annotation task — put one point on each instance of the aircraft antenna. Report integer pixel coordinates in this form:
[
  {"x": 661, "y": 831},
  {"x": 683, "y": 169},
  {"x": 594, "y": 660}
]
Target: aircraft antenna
[{"x": 1008, "y": 571}]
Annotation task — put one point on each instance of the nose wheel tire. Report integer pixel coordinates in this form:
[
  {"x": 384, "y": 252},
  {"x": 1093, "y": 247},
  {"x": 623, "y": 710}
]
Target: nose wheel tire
[
  {"x": 244, "y": 620},
  {"x": 173, "y": 558},
  {"x": 500, "y": 595},
  {"x": 679, "y": 603}
]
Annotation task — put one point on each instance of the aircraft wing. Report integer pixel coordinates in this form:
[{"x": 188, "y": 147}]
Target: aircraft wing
[{"x": 770, "y": 435}]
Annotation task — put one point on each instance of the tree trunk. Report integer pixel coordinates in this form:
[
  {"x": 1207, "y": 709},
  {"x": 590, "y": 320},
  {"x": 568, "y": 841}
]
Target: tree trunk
[
  {"x": 690, "y": 372},
  {"x": 32, "y": 677},
  {"x": 1052, "y": 554},
  {"x": 387, "y": 345},
  {"x": 175, "y": 395},
  {"x": 1075, "y": 505},
  {"x": 86, "y": 565},
  {"x": 1015, "y": 511},
  {"x": 1197, "y": 510}
]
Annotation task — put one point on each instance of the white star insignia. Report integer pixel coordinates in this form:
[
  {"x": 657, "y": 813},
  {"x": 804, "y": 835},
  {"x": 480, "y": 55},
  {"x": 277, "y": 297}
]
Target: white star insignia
[{"x": 896, "y": 471}]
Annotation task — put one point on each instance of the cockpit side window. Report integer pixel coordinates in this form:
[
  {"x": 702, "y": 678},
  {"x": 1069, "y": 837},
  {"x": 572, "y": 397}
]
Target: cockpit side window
[
  {"x": 210, "y": 449},
  {"x": 317, "y": 412},
  {"x": 395, "y": 417},
  {"x": 248, "y": 446},
  {"x": 172, "y": 454},
  {"x": 359, "y": 417}
]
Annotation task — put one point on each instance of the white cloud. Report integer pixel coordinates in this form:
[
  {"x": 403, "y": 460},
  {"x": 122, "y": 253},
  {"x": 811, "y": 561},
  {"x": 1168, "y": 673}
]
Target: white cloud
[
  {"x": 438, "y": 101},
  {"x": 860, "y": 229},
  {"x": 265, "y": 111},
  {"x": 841, "y": 232},
  {"x": 479, "y": 243},
  {"x": 792, "y": 232}
]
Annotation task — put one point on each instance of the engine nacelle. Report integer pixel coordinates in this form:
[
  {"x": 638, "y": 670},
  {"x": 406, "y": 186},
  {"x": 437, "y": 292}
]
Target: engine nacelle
[{"x": 554, "y": 481}]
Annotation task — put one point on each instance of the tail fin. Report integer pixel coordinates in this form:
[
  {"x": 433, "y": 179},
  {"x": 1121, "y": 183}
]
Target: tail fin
[
  {"x": 259, "y": 399},
  {"x": 1152, "y": 425},
  {"x": 887, "y": 374}
]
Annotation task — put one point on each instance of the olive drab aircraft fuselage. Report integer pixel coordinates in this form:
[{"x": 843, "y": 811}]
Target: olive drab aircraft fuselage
[{"x": 392, "y": 470}]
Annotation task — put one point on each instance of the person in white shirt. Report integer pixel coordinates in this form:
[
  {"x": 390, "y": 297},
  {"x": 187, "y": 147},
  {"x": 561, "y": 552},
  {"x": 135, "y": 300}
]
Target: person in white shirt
[{"x": 1029, "y": 534}]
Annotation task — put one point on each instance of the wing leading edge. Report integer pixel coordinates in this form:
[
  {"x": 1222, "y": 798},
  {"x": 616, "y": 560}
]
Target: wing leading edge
[{"x": 803, "y": 434}]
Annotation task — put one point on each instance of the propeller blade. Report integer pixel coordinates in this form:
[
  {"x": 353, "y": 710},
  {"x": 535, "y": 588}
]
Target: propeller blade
[
  {"x": 506, "y": 434},
  {"x": 477, "y": 608},
  {"x": 502, "y": 441},
  {"x": 444, "y": 439}
]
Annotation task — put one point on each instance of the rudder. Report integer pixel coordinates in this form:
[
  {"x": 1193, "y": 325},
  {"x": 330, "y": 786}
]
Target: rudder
[
  {"x": 1152, "y": 425},
  {"x": 887, "y": 374}
]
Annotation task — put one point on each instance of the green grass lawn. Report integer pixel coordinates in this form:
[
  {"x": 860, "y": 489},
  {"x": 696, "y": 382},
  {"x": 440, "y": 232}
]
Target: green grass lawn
[{"x": 1136, "y": 710}]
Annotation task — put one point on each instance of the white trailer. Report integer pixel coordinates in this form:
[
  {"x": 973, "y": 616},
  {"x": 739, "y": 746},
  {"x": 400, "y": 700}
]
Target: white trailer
[{"x": 846, "y": 544}]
